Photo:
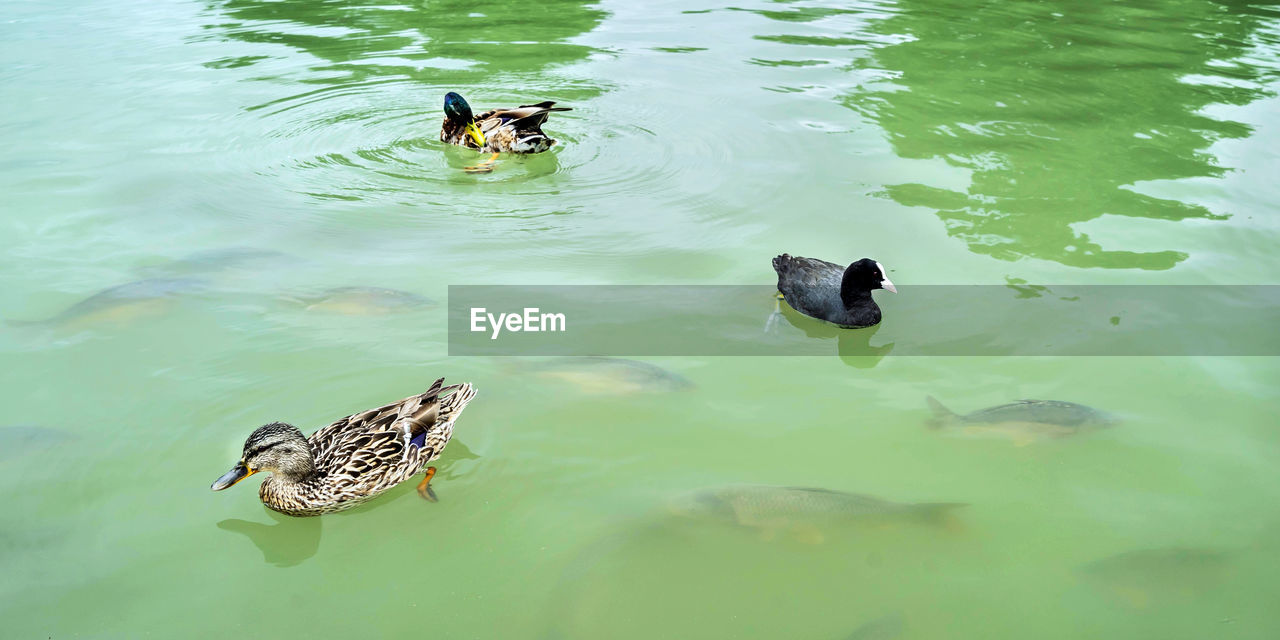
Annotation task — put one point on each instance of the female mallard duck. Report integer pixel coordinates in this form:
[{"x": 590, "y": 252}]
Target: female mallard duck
[
  {"x": 353, "y": 459},
  {"x": 827, "y": 291},
  {"x": 517, "y": 130}
]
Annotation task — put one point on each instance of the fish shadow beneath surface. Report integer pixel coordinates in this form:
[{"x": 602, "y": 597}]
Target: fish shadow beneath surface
[{"x": 23, "y": 440}]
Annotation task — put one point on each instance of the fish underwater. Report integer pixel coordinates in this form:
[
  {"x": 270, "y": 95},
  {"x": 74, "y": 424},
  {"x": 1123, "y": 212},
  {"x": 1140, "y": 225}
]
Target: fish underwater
[
  {"x": 595, "y": 374},
  {"x": 364, "y": 301},
  {"x": 886, "y": 628},
  {"x": 17, "y": 440},
  {"x": 1023, "y": 422},
  {"x": 805, "y": 512},
  {"x": 213, "y": 261},
  {"x": 123, "y": 303},
  {"x": 1145, "y": 576}
]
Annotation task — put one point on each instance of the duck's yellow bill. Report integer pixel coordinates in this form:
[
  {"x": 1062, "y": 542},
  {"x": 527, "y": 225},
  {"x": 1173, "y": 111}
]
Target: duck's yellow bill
[
  {"x": 473, "y": 130},
  {"x": 236, "y": 474}
]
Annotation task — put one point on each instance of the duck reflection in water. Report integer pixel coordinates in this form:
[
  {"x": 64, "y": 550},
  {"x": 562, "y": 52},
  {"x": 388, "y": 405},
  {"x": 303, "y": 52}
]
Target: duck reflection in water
[
  {"x": 286, "y": 543},
  {"x": 852, "y": 345}
]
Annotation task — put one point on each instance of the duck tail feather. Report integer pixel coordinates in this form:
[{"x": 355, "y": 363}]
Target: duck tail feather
[
  {"x": 546, "y": 105},
  {"x": 418, "y": 415},
  {"x": 459, "y": 395}
]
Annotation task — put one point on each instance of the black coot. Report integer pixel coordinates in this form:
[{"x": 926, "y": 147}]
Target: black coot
[{"x": 830, "y": 292}]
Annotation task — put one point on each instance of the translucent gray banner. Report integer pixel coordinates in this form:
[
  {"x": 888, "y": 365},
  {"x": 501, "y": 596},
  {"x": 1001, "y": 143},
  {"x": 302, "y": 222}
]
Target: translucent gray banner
[{"x": 981, "y": 320}]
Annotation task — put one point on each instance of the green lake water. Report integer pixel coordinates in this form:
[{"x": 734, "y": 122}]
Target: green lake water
[{"x": 228, "y": 162}]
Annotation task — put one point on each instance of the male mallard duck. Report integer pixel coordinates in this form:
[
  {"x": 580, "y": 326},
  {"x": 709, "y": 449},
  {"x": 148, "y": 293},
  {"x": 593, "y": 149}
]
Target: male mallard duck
[
  {"x": 826, "y": 291},
  {"x": 353, "y": 459},
  {"x": 517, "y": 130}
]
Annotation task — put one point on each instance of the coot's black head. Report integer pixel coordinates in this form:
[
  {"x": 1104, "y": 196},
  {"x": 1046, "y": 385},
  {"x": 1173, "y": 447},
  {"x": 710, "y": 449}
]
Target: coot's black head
[{"x": 866, "y": 275}]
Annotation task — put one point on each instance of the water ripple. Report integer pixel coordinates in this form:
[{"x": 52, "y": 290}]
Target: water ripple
[{"x": 1062, "y": 116}]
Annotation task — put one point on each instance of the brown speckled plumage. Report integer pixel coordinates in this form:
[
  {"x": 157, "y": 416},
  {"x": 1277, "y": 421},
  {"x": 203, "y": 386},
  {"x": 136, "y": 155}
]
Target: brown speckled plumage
[
  {"x": 516, "y": 130},
  {"x": 362, "y": 455}
]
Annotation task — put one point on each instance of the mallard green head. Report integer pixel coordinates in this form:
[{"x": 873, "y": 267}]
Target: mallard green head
[
  {"x": 277, "y": 447},
  {"x": 458, "y": 112}
]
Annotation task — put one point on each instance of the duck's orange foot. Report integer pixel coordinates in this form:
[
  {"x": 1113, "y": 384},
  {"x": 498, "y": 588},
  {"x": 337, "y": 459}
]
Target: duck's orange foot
[
  {"x": 424, "y": 488},
  {"x": 485, "y": 166}
]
